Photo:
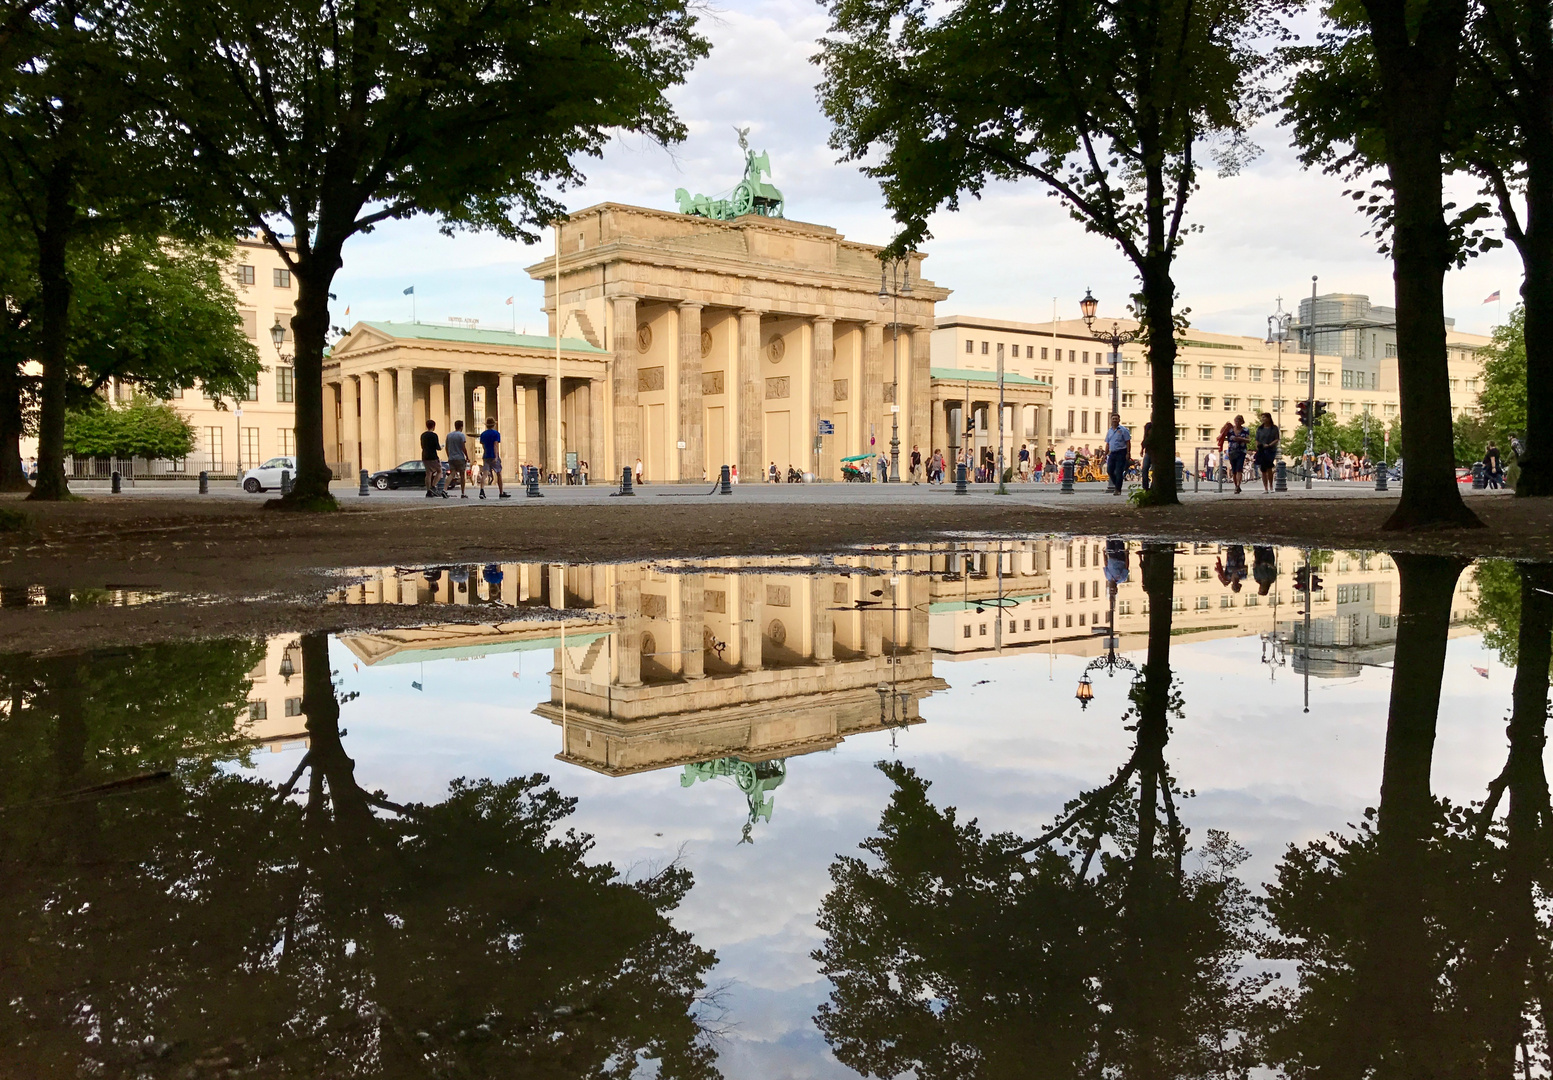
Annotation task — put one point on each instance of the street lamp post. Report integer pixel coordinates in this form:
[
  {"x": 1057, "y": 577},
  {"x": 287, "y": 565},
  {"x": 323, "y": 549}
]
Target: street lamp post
[
  {"x": 894, "y": 283},
  {"x": 1115, "y": 337},
  {"x": 1277, "y": 332}
]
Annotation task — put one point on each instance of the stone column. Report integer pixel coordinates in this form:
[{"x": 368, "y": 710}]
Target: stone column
[
  {"x": 751, "y": 612},
  {"x": 555, "y": 459},
  {"x": 597, "y": 434},
  {"x": 505, "y": 412},
  {"x": 920, "y": 425},
  {"x": 752, "y": 465},
  {"x": 873, "y": 422},
  {"x": 387, "y": 428},
  {"x": 406, "y": 438},
  {"x": 692, "y": 459},
  {"x": 333, "y": 393},
  {"x": 457, "y": 398},
  {"x": 692, "y": 617},
  {"x": 628, "y": 640},
  {"x": 917, "y": 598},
  {"x": 628, "y": 418},
  {"x": 822, "y": 394},
  {"x": 350, "y": 424},
  {"x": 823, "y": 629},
  {"x": 370, "y": 458}
]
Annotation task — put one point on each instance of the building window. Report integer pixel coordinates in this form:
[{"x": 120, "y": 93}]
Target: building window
[
  {"x": 283, "y": 384},
  {"x": 215, "y": 460},
  {"x": 1205, "y": 371},
  {"x": 1255, "y": 403},
  {"x": 1391, "y": 348},
  {"x": 1070, "y": 591},
  {"x": 1070, "y": 423},
  {"x": 1043, "y": 352},
  {"x": 1374, "y": 379},
  {"x": 1202, "y": 603},
  {"x": 970, "y": 346},
  {"x": 981, "y": 630},
  {"x": 251, "y": 391},
  {"x": 1084, "y": 387},
  {"x": 1230, "y": 403},
  {"x": 1083, "y": 420},
  {"x": 1041, "y": 624},
  {"x": 1204, "y": 401},
  {"x": 984, "y": 348},
  {"x": 1081, "y": 586},
  {"x": 1278, "y": 404},
  {"x": 245, "y": 275},
  {"x": 1347, "y": 379},
  {"x": 1081, "y": 618},
  {"x": 1129, "y": 399},
  {"x": 1072, "y": 356},
  {"x": 1179, "y": 369},
  {"x": 1086, "y": 356},
  {"x": 177, "y": 394},
  {"x": 1255, "y": 373},
  {"x": 967, "y": 630},
  {"x": 250, "y": 324},
  {"x": 282, "y": 278},
  {"x": 1278, "y": 375},
  {"x": 1391, "y": 410},
  {"x": 1180, "y": 401},
  {"x": 258, "y": 710},
  {"x": 1231, "y": 372},
  {"x": 1029, "y": 352},
  {"x": 1324, "y": 378},
  {"x": 1180, "y": 432},
  {"x": 1027, "y": 626},
  {"x": 250, "y": 447},
  {"x": 1124, "y": 607},
  {"x": 1071, "y": 383},
  {"x": 288, "y": 441},
  {"x": 293, "y": 706},
  {"x": 1203, "y": 433},
  {"x": 1129, "y": 367},
  {"x": 1347, "y": 408}
]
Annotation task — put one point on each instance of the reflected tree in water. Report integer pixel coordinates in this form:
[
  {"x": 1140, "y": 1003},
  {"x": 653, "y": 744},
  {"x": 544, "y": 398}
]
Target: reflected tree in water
[
  {"x": 1422, "y": 938},
  {"x": 1097, "y": 949},
  {"x": 219, "y": 924}
]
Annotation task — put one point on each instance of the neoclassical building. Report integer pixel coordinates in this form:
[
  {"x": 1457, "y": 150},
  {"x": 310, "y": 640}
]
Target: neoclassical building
[{"x": 687, "y": 343}]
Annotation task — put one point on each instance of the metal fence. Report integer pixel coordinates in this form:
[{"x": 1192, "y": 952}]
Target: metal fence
[{"x": 132, "y": 469}]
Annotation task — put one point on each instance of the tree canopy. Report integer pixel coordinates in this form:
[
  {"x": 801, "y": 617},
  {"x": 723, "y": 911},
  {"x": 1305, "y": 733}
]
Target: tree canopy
[
  {"x": 319, "y": 121},
  {"x": 140, "y": 428}
]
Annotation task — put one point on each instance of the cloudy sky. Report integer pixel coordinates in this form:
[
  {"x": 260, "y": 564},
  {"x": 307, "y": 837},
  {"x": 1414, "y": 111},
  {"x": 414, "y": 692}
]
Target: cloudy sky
[{"x": 1009, "y": 255}]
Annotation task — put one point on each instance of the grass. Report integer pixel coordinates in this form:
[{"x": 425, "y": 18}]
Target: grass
[{"x": 12, "y": 520}]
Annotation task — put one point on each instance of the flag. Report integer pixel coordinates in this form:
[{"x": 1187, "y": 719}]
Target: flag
[
  {"x": 1493, "y": 299},
  {"x": 416, "y": 685},
  {"x": 411, "y": 291},
  {"x": 347, "y": 309},
  {"x": 509, "y": 301},
  {"x": 1483, "y": 671}
]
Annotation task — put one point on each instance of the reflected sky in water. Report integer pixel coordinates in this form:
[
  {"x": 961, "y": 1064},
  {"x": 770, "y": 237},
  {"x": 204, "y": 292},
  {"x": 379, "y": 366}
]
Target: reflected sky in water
[{"x": 1005, "y": 741}]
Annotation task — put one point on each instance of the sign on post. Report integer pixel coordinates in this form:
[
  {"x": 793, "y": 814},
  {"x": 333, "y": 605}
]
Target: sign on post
[{"x": 827, "y": 428}]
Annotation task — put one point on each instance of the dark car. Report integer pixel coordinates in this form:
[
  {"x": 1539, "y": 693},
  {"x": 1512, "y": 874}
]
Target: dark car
[{"x": 406, "y": 474}]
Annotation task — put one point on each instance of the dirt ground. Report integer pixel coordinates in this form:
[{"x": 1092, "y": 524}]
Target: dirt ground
[{"x": 248, "y": 570}]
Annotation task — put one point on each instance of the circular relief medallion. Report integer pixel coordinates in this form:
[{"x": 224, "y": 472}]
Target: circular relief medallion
[
  {"x": 777, "y": 349},
  {"x": 706, "y": 344},
  {"x": 776, "y": 632},
  {"x": 643, "y": 338}
]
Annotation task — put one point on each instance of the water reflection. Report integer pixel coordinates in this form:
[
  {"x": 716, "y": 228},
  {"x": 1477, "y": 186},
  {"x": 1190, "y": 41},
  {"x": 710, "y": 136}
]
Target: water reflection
[
  {"x": 201, "y": 873},
  {"x": 214, "y": 925}
]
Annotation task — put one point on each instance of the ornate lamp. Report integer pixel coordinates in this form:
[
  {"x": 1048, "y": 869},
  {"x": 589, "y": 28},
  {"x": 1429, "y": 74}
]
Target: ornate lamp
[
  {"x": 1086, "y": 691},
  {"x": 278, "y": 334},
  {"x": 1088, "y": 306}
]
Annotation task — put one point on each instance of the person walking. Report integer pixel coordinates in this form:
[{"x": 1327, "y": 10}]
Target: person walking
[
  {"x": 1266, "y": 450},
  {"x": 884, "y": 467},
  {"x": 1493, "y": 467},
  {"x": 431, "y": 447},
  {"x": 772, "y": 476},
  {"x": 640, "y": 475},
  {"x": 490, "y": 458},
  {"x": 1118, "y": 449},
  {"x": 1235, "y": 449},
  {"x": 1024, "y": 462},
  {"x": 916, "y": 465},
  {"x": 1264, "y": 568},
  {"x": 458, "y": 458}
]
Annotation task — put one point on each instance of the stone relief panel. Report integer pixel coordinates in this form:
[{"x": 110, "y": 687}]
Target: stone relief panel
[
  {"x": 711, "y": 382},
  {"x": 840, "y": 390},
  {"x": 776, "y": 349},
  {"x": 715, "y": 601},
  {"x": 776, "y": 632},
  {"x": 839, "y": 594},
  {"x": 643, "y": 338},
  {"x": 649, "y": 378},
  {"x": 779, "y": 387},
  {"x": 779, "y": 595},
  {"x": 655, "y": 605},
  {"x": 889, "y": 393},
  {"x": 706, "y": 344}
]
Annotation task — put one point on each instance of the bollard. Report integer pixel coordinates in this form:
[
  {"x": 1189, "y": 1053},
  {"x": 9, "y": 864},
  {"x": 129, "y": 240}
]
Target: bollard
[
  {"x": 533, "y": 483},
  {"x": 625, "y": 481},
  {"x": 1223, "y": 471},
  {"x": 1067, "y": 478},
  {"x": 118, "y": 482},
  {"x": 1180, "y": 473},
  {"x": 204, "y": 482},
  {"x": 725, "y": 484},
  {"x": 364, "y": 486},
  {"x": 1479, "y": 481},
  {"x": 959, "y": 480},
  {"x": 1380, "y": 477},
  {"x": 285, "y": 481},
  {"x": 1280, "y": 476}
]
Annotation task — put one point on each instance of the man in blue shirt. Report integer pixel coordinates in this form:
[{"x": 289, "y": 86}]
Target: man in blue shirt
[
  {"x": 1118, "y": 446},
  {"x": 490, "y": 463}
]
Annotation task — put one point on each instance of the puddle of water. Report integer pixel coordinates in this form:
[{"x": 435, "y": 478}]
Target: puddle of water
[
  {"x": 50, "y": 596},
  {"x": 933, "y": 811}
]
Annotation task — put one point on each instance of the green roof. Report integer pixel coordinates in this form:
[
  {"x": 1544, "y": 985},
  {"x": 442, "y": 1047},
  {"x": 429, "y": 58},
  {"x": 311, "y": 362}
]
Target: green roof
[
  {"x": 432, "y": 332},
  {"x": 474, "y": 651},
  {"x": 949, "y": 374}
]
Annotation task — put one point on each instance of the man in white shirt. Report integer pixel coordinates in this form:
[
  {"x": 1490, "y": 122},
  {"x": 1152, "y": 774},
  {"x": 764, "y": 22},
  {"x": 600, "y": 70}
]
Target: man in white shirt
[{"x": 1118, "y": 448}]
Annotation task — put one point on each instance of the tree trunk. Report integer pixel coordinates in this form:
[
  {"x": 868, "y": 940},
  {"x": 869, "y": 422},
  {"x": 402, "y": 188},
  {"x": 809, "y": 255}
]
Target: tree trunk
[
  {"x": 54, "y": 332},
  {"x": 1537, "y": 294},
  {"x": 1416, "y": 53},
  {"x": 12, "y": 476},
  {"x": 1159, "y": 312},
  {"x": 315, "y": 272}
]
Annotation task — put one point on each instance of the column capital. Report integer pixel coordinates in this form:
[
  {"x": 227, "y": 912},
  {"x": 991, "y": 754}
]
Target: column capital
[
  {"x": 822, "y": 319},
  {"x": 697, "y": 304},
  {"x": 747, "y": 311}
]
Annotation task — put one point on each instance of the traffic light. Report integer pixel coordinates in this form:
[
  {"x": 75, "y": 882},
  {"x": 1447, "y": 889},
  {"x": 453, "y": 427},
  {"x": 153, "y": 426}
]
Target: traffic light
[
  {"x": 1303, "y": 408},
  {"x": 1301, "y": 579},
  {"x": 1315, "y": 583},
  {"x": 1319, "y": 411}
]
